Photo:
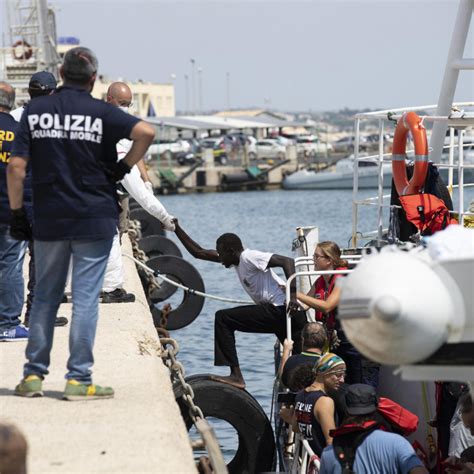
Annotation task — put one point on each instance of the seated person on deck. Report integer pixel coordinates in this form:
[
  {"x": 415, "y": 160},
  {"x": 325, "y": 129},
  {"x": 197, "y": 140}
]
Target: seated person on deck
[{"x": 314, "y": 339}]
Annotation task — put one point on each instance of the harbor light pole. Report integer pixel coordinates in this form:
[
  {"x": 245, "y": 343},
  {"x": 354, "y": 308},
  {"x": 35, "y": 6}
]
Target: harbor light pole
[
  {"x": 193, "y": 86},
  {"x": 186, "y": 94},
  {"x": 227, "y": 83},
  {"x": 200, "y": 104}
]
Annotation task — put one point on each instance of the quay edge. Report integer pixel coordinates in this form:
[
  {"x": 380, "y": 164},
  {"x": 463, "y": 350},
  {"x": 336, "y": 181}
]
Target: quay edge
[{"x": 140, "y": 430}]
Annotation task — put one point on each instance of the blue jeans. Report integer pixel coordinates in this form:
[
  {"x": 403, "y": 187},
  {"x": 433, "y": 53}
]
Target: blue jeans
[
  {"x": 12, "y": 253},
  {"x": 89, "y": 258}
]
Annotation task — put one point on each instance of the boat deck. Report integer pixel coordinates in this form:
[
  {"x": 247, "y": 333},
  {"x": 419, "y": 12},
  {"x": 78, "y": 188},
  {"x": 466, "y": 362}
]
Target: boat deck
[{"x": 140, "y": 430}]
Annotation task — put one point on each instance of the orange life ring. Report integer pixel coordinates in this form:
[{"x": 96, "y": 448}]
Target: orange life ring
[
  {"x": 25, "y": 53},
  {"x": 410, "y": 121}
]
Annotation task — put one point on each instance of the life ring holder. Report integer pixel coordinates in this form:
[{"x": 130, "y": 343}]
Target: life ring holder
[
  {"x": 27, "y": 51},
  {"x": 409, "y": 122}
]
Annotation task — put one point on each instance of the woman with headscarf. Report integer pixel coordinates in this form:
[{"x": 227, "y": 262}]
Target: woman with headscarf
[{"x": 314, "y": 411}]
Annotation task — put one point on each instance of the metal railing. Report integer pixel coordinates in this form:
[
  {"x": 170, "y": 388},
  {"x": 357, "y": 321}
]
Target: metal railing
[{"x": 457, "y": 120}]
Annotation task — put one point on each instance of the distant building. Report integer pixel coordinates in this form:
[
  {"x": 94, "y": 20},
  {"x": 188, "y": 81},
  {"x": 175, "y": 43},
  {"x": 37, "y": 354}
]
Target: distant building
[
  {"x": 260, "y": 113},
  {"x": 149, "y": 99}
]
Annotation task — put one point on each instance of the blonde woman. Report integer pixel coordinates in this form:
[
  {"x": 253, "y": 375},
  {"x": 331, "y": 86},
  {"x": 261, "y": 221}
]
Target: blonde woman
[{"x": 324, "y": 297}]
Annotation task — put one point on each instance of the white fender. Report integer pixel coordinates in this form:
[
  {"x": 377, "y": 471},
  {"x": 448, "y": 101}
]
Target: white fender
[{"x": 397, "y": 309}]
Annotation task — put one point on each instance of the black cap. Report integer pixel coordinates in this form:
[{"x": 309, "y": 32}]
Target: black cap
[
  {"x": 361, "y": 399},
  {"x": 43, "y": 80}
]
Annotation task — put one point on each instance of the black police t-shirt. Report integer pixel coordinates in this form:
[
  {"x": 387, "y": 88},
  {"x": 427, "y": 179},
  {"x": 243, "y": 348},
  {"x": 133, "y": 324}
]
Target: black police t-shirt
[
  {"x": 8, "y": 130},
  {"x": 71, "y": 139}
]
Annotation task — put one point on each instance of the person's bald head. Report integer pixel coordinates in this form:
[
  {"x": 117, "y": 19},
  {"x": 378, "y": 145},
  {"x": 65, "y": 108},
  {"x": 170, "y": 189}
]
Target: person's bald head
[
  {"x": 7, "y": 97},
  {"x": 119, "y": 94}
]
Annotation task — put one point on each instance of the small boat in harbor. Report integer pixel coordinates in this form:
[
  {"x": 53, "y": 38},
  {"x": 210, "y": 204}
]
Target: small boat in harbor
[{"x": 341, "y": 177}]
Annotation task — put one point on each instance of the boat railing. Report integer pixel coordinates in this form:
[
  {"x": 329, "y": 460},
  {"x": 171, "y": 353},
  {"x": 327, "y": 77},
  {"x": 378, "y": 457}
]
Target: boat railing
[
  {"x": 305, "y": 261},
  {"x": 305, "y": 458},
  {"x": 455, "y": 120}
]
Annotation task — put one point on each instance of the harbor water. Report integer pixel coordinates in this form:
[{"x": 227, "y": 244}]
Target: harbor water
[{"x": 264, "y": 221}]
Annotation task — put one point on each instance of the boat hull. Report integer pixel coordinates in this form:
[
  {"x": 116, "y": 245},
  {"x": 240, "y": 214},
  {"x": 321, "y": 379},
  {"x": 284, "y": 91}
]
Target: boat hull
[{"x": 312, "y": 180}]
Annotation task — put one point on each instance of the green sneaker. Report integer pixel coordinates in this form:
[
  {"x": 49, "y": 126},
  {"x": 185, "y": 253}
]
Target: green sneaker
[
  {"x": 30, "y": 386},
  {"x": 80, "y": 391}
]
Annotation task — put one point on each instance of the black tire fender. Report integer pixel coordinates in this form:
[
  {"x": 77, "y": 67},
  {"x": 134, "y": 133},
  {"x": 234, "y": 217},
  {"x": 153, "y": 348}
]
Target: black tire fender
[
  {"x": 183, "y": 272},
  {"x": 149, "y": 224},
  {"x": 156, "y": 245},
  {"x": 237, "y": 407}
]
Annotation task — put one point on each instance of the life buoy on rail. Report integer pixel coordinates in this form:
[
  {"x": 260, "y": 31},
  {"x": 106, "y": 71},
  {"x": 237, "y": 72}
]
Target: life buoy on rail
[
  {"x": 410, "y": 122},
  {"x": 22, "y": 50},
  {"x": 256, "y": 448}
]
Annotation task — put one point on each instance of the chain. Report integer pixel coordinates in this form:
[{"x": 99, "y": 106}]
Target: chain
[
  {"x": 216, "y": 461},
  {"x": 134, "y": 233}
]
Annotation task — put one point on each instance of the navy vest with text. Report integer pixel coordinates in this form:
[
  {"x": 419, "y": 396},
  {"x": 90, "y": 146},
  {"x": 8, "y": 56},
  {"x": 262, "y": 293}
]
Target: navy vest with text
[{"x": 71, "y": 139}]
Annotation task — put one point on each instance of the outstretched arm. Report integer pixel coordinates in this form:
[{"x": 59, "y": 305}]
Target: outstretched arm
[{"x": 193, "y": 247}]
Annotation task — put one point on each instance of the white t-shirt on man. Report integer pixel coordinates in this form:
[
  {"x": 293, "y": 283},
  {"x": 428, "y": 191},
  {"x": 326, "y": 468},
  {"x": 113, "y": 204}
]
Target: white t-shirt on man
[{"x": 261, "y": 283}]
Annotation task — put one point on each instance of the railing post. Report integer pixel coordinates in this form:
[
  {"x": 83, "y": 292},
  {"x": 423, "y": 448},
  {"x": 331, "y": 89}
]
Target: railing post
[{"x": 355, "y": 189}]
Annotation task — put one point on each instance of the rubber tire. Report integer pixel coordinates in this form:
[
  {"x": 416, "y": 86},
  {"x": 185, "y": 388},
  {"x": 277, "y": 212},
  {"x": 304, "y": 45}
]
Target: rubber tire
[
  {"x": 237, "y": 407},
  {"x": 156, "y": 245},
  {"x": 223, "y": 159},
  {"x": 149, "y": 224},
  {"x": 183, "y": 272}
]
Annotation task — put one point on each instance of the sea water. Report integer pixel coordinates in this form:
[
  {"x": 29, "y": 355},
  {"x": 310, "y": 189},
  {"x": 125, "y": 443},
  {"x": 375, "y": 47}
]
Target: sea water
[{"x": 265, "y": 221}]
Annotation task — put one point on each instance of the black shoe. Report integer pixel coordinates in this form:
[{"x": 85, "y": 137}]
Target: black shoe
[
  {"x": 59, "y": 321},
  {"x": 117, "y": 296},
  {"x": 64, "y": 298}
]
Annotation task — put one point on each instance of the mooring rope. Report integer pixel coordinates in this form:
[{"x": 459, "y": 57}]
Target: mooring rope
[{"x": 157, "y": 274}]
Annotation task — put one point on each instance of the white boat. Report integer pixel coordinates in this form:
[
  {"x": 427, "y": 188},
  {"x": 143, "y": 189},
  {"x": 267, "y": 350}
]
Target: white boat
[{"x": 342, "y": 177}]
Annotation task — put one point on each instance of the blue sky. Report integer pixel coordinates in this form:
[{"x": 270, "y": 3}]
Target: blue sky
[{"x": 288, "y": 55}]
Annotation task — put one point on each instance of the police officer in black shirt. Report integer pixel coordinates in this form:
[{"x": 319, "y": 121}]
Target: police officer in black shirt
[
  {"x": 12, "y": 251},
  {"x": 70, "y": 139}
]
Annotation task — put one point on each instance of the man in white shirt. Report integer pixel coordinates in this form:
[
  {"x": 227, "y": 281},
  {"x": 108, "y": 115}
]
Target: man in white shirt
[
  {"x": 120, "y": 95},
  {"x": 268, "y": 315}
]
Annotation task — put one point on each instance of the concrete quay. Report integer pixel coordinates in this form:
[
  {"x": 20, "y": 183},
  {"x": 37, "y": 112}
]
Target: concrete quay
[{"x": 138, "y": 431}]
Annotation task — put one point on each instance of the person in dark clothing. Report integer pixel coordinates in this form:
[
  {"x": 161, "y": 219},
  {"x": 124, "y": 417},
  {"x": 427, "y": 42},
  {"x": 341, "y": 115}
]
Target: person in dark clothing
[
  {"x": 267, "y": 315},
  {"x": 70, "y": 140},
  {"x": 41, "y": 83},
  {"x": 12, "y": 252},
  {"x": 313, "y": 414},
  {"x": 314, "y": 339}
]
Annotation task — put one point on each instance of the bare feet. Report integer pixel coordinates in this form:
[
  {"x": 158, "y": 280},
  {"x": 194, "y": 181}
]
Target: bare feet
[{"x": 233, "y": 380}]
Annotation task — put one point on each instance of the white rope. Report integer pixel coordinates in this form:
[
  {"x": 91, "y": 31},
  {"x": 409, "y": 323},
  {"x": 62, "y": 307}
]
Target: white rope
[{"x": 157, "y": 274}]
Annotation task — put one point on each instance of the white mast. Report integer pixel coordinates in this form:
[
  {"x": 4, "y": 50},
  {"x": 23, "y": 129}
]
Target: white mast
[{"x": 454, "y": 64}]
